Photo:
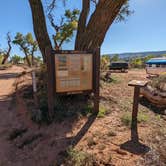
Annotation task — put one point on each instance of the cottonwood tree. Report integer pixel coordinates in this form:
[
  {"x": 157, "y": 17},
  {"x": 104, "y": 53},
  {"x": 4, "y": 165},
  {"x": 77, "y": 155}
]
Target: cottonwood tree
[
  {"x": 92, "y": 28},
  {"x": 28, "y": 45},
  {"x": 16, "y": 59},
  {"x": 65, "y": 30},
  {"x": 6, "y": 53}
]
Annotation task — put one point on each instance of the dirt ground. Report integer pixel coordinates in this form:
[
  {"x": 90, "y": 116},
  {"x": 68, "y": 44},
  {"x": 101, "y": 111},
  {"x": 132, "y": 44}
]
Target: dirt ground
[{"x": 22, "y": 142}]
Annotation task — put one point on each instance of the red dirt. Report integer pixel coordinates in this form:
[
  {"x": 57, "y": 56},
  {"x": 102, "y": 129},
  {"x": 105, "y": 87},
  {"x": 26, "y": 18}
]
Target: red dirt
[{"x": 44, "y": 145}]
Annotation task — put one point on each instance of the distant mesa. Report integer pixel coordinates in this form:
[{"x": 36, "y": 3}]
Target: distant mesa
[{"x": 129, "y": 55}]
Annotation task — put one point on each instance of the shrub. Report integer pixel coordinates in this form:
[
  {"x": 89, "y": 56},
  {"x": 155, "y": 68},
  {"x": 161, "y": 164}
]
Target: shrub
[
  {"x": 102, "y": 112},
  {"x": 159, "y": 83},
  {"x": 79, "y": 158},
  {"x": 91, "y": 142},
  {"x": 127, "y": 118},
  {"x": 111, "y": 134}
]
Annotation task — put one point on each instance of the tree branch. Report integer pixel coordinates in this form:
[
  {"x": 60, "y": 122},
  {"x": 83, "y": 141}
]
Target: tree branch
[
  {"x": 82, "y": 21},
  {"x": 7, "y": 53},
  {"x": 39, "y": 25},
  {"x": 99, "y": 23}
]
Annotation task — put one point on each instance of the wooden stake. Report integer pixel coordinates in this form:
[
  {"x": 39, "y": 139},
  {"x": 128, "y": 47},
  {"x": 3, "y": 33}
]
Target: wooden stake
[
  {"x": 134, "y": 129},
  {"x": 96, "y": 79},
  {"x": 50, "y": 82}
]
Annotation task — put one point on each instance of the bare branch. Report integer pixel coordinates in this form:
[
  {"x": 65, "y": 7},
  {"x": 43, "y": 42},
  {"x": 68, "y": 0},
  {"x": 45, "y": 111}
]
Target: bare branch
[{"x": 7, "y": 52}]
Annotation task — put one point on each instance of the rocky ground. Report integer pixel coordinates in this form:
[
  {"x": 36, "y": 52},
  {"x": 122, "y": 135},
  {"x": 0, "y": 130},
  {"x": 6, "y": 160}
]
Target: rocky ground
[{"x": 105, "y": 138}]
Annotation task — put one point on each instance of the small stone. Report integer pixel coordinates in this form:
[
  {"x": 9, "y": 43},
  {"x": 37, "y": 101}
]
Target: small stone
[{"x": 122, "y": 152}]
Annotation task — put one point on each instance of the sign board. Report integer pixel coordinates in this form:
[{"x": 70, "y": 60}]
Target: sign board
[{"x": 73, "y": 72}]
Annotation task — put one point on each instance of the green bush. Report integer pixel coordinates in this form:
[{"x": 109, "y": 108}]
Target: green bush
[
  {"x": 127, "y": 118},
  {"x": 102, "y": 112},
  {"x": 159, "y": 83},
  {"x": 79, "y": 158}
]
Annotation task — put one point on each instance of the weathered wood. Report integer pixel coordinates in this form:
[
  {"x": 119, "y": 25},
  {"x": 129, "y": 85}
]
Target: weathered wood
[
  {"x": 157, "y": 100},
  {"x": 96, "y": 79},
  {"x": 75, "y": 74},
  {"x": 44, "y": 42},
  {"x": 50, "y": 81},
  {"x": 137, "y": 83},
  {"x": 134, "y": 129}
]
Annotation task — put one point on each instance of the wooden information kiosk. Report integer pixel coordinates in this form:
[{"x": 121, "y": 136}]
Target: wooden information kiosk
[
  {"x": 74, "y": 72},
  {"x": 77, "y": 72}
]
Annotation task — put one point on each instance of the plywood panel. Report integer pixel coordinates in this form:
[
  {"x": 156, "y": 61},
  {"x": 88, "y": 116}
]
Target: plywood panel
[{"x": 73, "y": 72}]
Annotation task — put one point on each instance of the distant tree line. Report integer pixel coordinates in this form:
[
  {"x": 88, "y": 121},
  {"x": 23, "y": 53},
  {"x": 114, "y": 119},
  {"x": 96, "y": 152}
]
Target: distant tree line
[{"x": 134, "y": 62}]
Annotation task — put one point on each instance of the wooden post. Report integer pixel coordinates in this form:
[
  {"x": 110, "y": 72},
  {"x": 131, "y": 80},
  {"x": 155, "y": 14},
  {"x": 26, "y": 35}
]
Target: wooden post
[
  {"x": 134, "y": 129},
  {"x": 50, "y": 82},
  {"x": 96, "y": 78}
]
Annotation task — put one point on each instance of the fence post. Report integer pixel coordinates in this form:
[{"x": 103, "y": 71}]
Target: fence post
[
  {"x": 50, "y": 82},
  {"x": 96, "y": 78}
]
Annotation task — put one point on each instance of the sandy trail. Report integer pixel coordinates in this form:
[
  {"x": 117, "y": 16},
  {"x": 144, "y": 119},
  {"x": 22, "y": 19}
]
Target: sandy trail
[{"x": 7, "y": 115}]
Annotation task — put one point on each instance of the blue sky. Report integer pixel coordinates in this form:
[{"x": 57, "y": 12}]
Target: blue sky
[{"x": 145, "y": 30}]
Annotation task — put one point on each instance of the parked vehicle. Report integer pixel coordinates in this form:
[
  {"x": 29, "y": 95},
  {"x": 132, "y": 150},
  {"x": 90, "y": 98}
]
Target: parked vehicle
[
  {"x": 123, "y": 66},
  {"x": 156, "y": 66}
]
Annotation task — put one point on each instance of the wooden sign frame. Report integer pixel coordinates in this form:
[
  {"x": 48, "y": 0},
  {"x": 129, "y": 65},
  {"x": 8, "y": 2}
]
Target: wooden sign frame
[
  {"x": 79, "y": 89},
  {"x": 95, "y": 73}
]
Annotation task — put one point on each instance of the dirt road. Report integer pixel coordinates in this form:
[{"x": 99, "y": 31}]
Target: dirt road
[
  {"x": 8, "y": 119},
  {"x": 24, "y": 144}
]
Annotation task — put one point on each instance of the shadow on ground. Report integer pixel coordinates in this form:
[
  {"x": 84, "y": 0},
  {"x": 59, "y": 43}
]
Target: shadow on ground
[
  {"x": 135, "y": 147},
  {"x": 8, "y": 75}
]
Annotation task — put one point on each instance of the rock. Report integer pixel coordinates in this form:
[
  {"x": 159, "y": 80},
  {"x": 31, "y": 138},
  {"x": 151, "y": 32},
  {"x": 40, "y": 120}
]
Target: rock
[{"x": 122, "y": 152}]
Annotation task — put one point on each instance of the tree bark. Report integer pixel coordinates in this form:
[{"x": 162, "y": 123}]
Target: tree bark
[
  {"x": 82, "y": 21},
  {"x": 27, "y": 59},
  {"x": 40, "y": 28},
  {"x": 9, "y": 49},
  {"x": 99, "y": 23},
  {"x": 6, "y": 56},
  {"x": 45, "y": 46}
]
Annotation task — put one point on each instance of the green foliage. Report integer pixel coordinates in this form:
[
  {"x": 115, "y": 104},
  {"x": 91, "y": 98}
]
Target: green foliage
[
  {"x": 27, "y": 44},
  {"x": 1, "y": 58},
  {"x": 16, "y": 59},
  {"x": 79, "y": 158},
  {"x": 137, "y": 63},
  {"x": 115, "y": 58},
  {"x": 127, "y": 118},
  {"x": 124, "y": 12},
  {"x": 102, "y": 112},
  {"x": 64, "y": 32},
  {"x": 88, "y": 110},
  {"x": 159, "y": 83},
  {"x": 105, "y": 62}
]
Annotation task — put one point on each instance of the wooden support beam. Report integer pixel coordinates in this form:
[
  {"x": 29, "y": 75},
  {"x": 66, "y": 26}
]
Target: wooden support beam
[
  {"x": 134, "y": 129},
  {"x": 50, "y": 82},
  {"x": 96, "y": 79}
]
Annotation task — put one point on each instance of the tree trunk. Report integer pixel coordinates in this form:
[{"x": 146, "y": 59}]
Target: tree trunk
[
  {"x": 9, "y": 49},
  {"x": 82, "y": 21},
  {"x": 99, "y": 23},
  {"x": 27, "y": 59},
  {"x": 45, "y": 46},
  {"x": 5, "y": 58},
  {"x": 40, "y": 28}
]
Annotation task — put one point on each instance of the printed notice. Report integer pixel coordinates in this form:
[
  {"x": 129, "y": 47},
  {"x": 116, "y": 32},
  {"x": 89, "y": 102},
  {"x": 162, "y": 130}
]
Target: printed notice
[
  {"x": 62, "y": 73},
  {"x": 75, "y": 63}
]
